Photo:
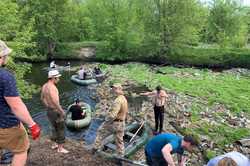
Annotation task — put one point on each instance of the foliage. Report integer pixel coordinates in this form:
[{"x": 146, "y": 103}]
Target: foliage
[
  {"x": 117, "y": 24},
  {"x": 226, "y": 24},
  {"x": 25, "y": 89},
  {"x": 210, "y": 154},
  {"x": 129, "y": 30},
  {"x": 11, "y": 29},
  {"x": 10, "y": 21},
  {"x": 71, "y": 50},
  {"x": 214, "y": 88},
  {"x": 211, "y": 57}
]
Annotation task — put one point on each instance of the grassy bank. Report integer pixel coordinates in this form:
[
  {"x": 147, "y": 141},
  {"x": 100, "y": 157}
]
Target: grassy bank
[
  {"x": 213, "y": 56},
  {"x": 230, "y": 90},
  {"x": 190, "y": 56},
  {"x": 211, "y": 88}
]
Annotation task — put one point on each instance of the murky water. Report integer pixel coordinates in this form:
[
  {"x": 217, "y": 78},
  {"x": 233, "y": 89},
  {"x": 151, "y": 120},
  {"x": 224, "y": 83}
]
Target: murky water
[{"x": 68, "y": 93}]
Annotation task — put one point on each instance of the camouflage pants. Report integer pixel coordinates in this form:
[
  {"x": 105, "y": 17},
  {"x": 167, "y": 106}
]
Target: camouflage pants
[
  {"x": 58, "y": 128},
  {"x": 108, "y": 128}
]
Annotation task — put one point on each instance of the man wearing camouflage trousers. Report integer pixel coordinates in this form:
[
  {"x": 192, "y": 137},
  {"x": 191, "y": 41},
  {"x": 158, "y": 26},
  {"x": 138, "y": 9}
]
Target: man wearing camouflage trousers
[{"x": 115, "y": 121}]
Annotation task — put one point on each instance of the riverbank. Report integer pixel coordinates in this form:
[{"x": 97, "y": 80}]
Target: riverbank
[
  {"x": 210, "y": 56},
  {"x": 41, "y": 154},
  {"x": 212, "y": 106},
  {"x": 199, "y": 103}
]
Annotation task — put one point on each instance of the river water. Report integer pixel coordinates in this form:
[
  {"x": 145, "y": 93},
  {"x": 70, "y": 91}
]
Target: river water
[{"x": 68, "y": 92}]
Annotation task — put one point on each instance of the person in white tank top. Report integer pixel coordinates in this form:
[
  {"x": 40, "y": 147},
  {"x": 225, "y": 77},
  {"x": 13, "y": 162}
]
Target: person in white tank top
[{"x": 159, "y": 99}]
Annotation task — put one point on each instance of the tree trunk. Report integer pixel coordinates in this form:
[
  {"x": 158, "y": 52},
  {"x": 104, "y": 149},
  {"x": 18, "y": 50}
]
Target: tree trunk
[{"x": 51, "y": 49}]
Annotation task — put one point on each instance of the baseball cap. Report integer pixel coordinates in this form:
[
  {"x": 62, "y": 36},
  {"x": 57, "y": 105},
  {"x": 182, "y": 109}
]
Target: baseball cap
[
  {"x": 117, "y": 85},
  {"x": 53, "y": 73},
  {"x": 4, "y": 49}
]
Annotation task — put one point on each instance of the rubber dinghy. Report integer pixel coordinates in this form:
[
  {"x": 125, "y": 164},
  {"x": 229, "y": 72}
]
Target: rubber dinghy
[
  {"x": 136, "y": 135},
  {"x": 78, "y": 124},
  {"x": 75, "y": 79}
]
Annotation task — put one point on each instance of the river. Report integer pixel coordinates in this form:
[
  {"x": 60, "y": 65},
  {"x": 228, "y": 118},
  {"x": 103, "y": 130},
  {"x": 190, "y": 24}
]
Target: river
[{"x": 68, "y": 93}]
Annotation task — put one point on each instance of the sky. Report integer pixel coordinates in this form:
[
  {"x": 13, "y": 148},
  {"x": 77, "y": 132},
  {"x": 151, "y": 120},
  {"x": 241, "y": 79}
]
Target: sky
[{"x": 245, "y": 2}]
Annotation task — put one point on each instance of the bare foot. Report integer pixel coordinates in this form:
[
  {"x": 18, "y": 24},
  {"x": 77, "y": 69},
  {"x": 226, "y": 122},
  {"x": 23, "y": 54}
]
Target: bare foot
[
  {"x": 62, "y": 150},
  {"x": 54, "y": 146}
]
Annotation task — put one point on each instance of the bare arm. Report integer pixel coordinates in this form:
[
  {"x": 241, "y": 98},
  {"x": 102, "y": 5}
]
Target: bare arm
[
  {"x": 166, "y": 151},
  {"x": 43, "y": 98},
  {"x": 148, "y": 93},
  {"x": 20, "y": 110}
]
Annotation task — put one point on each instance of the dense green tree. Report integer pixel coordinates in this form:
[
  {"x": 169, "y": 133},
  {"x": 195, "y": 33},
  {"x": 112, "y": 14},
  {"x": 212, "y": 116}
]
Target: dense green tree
[
  {"x": 49, "y": 20},
  {"x": 226, "y": 25},
  {"x": 127, "y": 28},
  {"x": 10, "y": 20},
  {"x": 19, "y": 39},
  {"x": 116, "y": 22},
  {"x": 174, "y": 22}
]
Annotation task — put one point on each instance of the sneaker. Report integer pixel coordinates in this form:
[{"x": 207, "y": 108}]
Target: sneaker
[
  {"x": 54, "y": 146},
  {"x": 62, "y": 150}
]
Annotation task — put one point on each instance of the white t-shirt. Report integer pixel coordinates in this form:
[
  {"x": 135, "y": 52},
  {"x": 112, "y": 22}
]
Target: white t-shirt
[
  {"x": 81, "y": 74},
  {"x": 52, "y": 64},
  {"x": 239, "y": 158}
]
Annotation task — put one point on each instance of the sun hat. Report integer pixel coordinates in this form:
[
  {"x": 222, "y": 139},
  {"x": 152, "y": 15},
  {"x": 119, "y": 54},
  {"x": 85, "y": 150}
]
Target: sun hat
[
  {"x": 4, "y": 49},
  {"x": 117, "y": 85},
  {"x": 53, "y": 73}
]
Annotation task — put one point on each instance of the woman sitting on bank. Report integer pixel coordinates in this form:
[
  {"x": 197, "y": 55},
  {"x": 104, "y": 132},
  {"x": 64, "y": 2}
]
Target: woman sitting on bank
[{"x": 76, "y": 110}]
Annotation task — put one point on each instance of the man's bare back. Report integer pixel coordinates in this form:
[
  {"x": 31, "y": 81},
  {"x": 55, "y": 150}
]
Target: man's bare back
[{"x": 50, "y": 96}]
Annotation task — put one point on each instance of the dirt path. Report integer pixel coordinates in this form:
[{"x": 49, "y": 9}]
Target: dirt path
[{"x": 41, "y": 154}]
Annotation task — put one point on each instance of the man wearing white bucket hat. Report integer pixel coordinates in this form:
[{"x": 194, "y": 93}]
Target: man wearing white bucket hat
[
  {"x": 55, "y": 113},
  {"x": 13, "y": 111}
]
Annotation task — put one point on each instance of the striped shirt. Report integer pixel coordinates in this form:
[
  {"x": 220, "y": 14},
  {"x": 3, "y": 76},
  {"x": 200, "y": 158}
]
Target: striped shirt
[{"x": 7, "y": 89}]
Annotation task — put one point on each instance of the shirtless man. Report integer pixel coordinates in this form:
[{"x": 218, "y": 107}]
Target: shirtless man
[
  {"x": 159, "y": 100},
  {"x": 55, "y": 113}
]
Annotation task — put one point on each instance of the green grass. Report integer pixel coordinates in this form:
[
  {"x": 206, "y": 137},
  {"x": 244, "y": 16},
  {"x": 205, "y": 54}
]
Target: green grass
[
  {"x": 209, "y": 87},
  {"x": 215, "y": 88}
]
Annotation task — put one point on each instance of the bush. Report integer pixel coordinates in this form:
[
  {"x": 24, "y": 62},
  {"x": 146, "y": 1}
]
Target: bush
[
  {"x": 210, "y": 57},
  {"x": 193, "y": 56},
  {"x": 70, "y": 50}
]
